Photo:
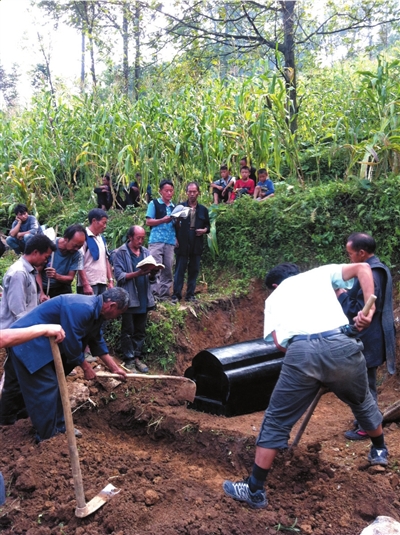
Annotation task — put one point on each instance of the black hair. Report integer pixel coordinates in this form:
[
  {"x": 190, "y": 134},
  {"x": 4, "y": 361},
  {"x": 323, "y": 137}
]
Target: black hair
[
  {"x": 118, "y": 296},
  {"x": 72, "y": 230},
  {"x": 40, "y": 243},
  {"x": 131, "y": 231},
  {"x": 166, "y": 182},
  {"x": 262, "y": 171},
  {"x": 97, "y": 214},
  {"x": 20, "y": 209},
  {"x": 245, "y": 167},
  {"x": 279, "y": 273},
  {"x": 193, "y": 184},
  {"x": 361, "y": 240},
  {"x": 223, "y": 168}
]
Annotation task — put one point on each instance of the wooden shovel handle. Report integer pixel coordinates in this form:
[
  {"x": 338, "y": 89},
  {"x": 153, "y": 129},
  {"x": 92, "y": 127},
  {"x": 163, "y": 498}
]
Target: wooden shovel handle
[
  {"x": 69, "y": 424},
  {"x": 368, "y": 304},
  {"x": 146, "y": 376}
]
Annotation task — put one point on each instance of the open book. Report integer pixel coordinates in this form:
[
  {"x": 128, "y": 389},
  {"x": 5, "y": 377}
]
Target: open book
[
  {"x": 149, "y": 261},
  {"x": 180, "y": 211}
]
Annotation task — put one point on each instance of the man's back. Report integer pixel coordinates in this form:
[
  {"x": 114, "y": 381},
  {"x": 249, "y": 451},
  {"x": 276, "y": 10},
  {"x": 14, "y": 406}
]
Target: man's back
[
  {"x": 19, "y": 292},
  {"x": 306, "y": 304}
]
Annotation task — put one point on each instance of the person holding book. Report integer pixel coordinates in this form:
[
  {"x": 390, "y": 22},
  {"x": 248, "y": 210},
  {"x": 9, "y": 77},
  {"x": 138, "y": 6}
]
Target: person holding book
[
  {"x": 162, "y": 239},
  {"x": 135, "y": 270},
  {"x": 190, "y": 232}
]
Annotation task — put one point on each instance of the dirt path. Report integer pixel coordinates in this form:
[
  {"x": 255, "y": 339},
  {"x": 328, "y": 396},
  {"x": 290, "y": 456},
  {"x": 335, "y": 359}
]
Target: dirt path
[{"x": 170, "y": 462}]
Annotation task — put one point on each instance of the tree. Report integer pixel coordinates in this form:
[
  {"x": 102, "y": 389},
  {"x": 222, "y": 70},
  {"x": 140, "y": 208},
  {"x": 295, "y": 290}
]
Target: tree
[
  {"x": 281, "y": 29},
  {"x": 84, "y": 16},
  {"x": 8, "y": 85}
]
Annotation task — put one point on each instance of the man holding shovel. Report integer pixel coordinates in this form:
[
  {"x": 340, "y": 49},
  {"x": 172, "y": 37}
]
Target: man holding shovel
[
  {"x": 81, "y": 317},
  {"x": 379, "y": 339},
  {"x": 304, "y": 319}
]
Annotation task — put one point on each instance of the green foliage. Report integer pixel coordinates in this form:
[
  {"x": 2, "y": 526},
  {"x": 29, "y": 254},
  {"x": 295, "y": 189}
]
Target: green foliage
[
  {"x": 5, "y": 262},
  {"x": 309, "y": 226},
  {"x": 161, "y": 332}
]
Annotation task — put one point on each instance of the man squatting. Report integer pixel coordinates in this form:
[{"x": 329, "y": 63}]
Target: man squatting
[{"x": 304, "y": 319}]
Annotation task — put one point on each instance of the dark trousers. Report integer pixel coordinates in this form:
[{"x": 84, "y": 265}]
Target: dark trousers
[
  {"x": 12, "y": 404},
  {"x": 133, "y": 333},
  {"x": 41, "y": 396},
  {"x": 190, "y": 263},
  {"x": 60, "y": 290}
]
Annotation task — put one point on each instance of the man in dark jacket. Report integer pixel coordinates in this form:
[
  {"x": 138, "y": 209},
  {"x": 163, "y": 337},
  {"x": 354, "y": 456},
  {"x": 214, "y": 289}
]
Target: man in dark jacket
[
  {"x": 137, "y": 282},
  {"x": 379, "y": 337},
  {"x": 189, "y": 235}
]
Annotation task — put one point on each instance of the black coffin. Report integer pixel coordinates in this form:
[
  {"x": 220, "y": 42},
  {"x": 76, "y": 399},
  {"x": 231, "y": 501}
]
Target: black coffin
[{"x": 235, "y": 379}]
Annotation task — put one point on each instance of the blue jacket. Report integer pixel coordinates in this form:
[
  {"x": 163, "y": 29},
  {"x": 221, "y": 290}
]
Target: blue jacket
[
  {"x": 122, "y": 265},
  {"x": 79, "y": 316},
  {"x": 379, "y": 338}
]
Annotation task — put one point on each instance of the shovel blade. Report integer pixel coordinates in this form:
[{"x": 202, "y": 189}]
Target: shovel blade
[{"x": 95, "y": 503}]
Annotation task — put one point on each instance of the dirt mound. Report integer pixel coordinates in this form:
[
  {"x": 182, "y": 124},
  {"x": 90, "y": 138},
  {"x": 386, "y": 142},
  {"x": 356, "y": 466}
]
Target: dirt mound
[{"x": 170, "y": 462}]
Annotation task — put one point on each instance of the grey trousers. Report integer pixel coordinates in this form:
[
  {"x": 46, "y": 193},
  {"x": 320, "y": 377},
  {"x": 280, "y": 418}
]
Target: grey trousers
[
  {"x": 336, "y": 362},
  {"x": 164, "y": 254}
]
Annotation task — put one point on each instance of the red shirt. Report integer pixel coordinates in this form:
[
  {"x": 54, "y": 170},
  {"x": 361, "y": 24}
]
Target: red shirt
[{"x": 249, "y": 184}]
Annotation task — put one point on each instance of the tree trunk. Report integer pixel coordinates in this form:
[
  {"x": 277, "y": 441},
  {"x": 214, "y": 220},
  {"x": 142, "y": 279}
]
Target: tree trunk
[
  {"x": 125, "y": 44},
  {"x": 290, "y": 64},
  {"x": 83, "y": 59},
  {"x": 137, "y": 51}
]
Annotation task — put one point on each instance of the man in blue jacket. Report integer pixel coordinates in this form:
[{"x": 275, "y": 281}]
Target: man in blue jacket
[
  {"x": 137, "y": 282},
  {"x": 379, "y": 338},
  {"x": 81, "y": 317},
  {"x": 190, "y": 242}
]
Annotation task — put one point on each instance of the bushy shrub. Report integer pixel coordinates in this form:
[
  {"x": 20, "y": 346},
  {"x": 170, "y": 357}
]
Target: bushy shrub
[{"x": 308, "y": 226}]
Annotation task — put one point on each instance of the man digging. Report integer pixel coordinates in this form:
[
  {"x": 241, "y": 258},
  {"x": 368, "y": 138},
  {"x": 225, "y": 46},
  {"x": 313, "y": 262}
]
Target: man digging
[{"x": 305, "y": 320}]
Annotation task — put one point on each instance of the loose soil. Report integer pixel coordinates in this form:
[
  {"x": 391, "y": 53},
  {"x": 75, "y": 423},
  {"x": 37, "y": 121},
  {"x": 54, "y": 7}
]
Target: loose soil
[{"x": 170, "y": 462}]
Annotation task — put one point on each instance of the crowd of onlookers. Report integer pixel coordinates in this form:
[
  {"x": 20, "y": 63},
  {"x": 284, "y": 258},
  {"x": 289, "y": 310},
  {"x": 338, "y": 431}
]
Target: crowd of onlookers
[{"x": 149, "y": 275}]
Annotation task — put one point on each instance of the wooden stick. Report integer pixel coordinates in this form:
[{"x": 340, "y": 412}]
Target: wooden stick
[{"x": 69, "y": 424}]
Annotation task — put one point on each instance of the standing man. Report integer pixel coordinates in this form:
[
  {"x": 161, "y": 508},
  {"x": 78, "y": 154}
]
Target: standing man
[
  {"x": 96, "y": 276},
  {"x": 137, "y": 282},
  {"x": 81, "y": 317},
  {"x": 304, "y": 319},
  {"x": 379, "y": 338},
  {"x": 190, "y": 242},
  {"x": 162, "y": 239},
  {"x": 67, "y": 260},
  {"x": 24, "y": 227},
  {"x": 20, "y": 296}
]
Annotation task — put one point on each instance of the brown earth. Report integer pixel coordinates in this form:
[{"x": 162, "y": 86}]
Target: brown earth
[{"x": 170, "y": 462}]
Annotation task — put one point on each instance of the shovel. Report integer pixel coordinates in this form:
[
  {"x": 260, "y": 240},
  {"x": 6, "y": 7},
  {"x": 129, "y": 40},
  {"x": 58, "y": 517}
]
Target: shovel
[
  {"x": 188, "y": 387},
  {"x": 323, "y": 390},
  {"x": 83, "y": 509}
]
